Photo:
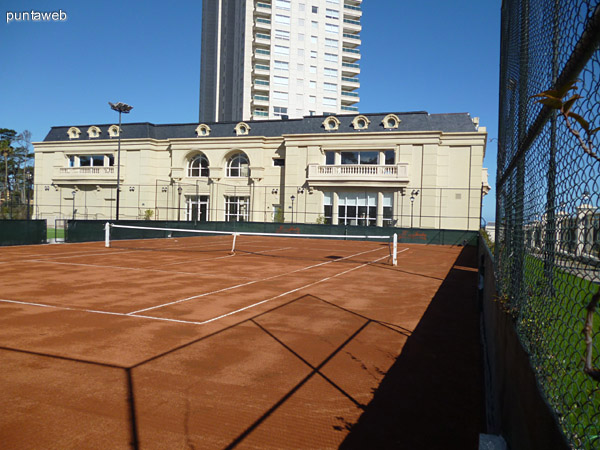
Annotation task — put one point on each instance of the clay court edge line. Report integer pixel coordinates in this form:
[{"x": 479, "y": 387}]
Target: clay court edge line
[{"x": 247, "y": 284}]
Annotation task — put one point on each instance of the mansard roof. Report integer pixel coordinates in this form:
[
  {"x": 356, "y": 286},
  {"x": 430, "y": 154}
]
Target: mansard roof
[{"x": 419, "y": 121}]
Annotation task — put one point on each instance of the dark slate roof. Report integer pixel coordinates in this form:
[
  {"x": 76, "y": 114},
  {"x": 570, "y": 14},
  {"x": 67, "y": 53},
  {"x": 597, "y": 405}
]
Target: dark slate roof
[{"x": 409, "y": 121}]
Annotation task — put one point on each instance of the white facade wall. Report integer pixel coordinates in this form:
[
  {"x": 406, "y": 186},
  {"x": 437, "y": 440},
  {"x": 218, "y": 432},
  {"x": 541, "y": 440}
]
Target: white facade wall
[{"x": 441, "y": 171}]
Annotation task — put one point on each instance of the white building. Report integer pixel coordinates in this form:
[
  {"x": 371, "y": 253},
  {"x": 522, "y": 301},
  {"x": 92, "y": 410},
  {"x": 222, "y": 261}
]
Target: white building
[
  {"x": 410, "y": 170},
  {"x": 263, "y": 59}
]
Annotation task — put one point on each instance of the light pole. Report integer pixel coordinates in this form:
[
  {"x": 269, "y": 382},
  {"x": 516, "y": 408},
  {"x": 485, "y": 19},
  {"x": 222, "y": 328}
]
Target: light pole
[
  {"x": 74, "y": 192},
  {"x": 412, "y": 202},
  {"x": 413, "y": 195},
  {"x": 179, "y": 204},
  {"x": 292, "y": 198},
  {"x": 28, "y": 191},
  {"x": 121, "y": 108}
]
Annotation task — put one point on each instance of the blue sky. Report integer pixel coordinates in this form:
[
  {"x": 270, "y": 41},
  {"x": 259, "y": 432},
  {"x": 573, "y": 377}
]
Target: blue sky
[{"x": 429, "y": 55}]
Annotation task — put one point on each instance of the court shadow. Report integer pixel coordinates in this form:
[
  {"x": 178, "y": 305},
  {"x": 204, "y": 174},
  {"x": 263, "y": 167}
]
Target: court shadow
[{"x": 433, "y": 396}]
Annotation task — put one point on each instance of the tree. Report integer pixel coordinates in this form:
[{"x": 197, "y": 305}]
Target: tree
[{"x": 16, "y": 171}]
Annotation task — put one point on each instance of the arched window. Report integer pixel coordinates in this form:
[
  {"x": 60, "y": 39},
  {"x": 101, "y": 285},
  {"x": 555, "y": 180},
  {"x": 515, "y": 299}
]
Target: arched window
[
  {"x": 198, "y": 166},
  {"x": 238, "y": 166}
]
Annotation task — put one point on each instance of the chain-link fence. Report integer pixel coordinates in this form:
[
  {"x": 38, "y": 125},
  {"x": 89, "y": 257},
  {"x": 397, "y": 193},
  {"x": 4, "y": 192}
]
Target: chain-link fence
[
  {"x": 548, "y": 198},
  {"x": 202, "y": 201}
]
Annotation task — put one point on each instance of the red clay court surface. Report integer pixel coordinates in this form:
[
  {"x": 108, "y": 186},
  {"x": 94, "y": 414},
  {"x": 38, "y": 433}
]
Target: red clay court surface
[{"x": 289, "y": 343}]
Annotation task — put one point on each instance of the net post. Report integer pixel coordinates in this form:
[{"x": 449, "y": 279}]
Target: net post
[
  {"x": 233, "y": 245},
  {"x": 107, "y": 235},
  {"x": 395, "y": 250}
]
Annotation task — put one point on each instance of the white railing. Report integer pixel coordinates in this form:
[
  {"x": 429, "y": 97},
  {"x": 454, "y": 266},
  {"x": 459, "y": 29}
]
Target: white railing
[
  {"x": 86, "y": 170},
  {"x": 346, "y": 172}
]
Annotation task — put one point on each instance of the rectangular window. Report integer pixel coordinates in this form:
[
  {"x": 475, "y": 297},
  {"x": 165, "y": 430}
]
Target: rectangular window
[
  {"x": 312, "y": 99},
  {"x": 315, "y": 9},
  {"x": 280, "y": 111},
  {"x": 330, "y": 158},
  {"x": 111, "y": 160},
  {"x": 71, "y": 161},
  {"x": 332, "y": 14},
  {"x": 328, "y": 207},
  {"x": 312, "y": 84},
  {"x": 332, "y": 28},
  {"x": 300, "y": 67},
  {"x": 282, "y": 34},
  {"x": 313, "y": 69},
  {"x": 313, "y": 53},
  {"x": 300, "y": 37},
  {"x": 85, "y": 161},
  {"x": 314, "y": 24},
  {"x": 328, "y": 101},
  {"x": 281, "y": 49},
  {"x": 281, "y": 80},
  {"x": 388, "y": 213},
  {"x": 330, "y": 87},
  {"x": 334, "y": 2},
  {"x": 300, "y": 53},
  {"x": 301, "y": 7},
  {"x": 278, "y": 162},
  {"x": 358, "y": 208},
  {"x": 390, "y": 157},
  {"x": 98, "y": 160},
  {"x": 363, "y": 158},
  {"x": 236, "y": 209},
  {"x": 313, "y": 40},
  {"x": 281, "y": 65},
  {"x": 301, "y": 22},
  {"x": 278, "y": 95},
  {"x": 300, "y": 83},
  {"x": 282, "y": 4},
  {"x": 283, "y": 20},
  {"x": 197, "y": 208},
  {"x": 331, "y": 43},
  {"x": 331, "y": 72},
  {"x": 331, "y": 57}
]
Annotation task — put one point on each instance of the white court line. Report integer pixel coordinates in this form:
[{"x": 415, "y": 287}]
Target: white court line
[
  {"x": 204, "y": 322},
  {"x": 250, "y": 283}
]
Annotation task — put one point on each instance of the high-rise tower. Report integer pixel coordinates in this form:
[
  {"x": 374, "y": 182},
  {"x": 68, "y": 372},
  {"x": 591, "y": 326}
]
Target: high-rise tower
[{"x": 265, "y": 59}]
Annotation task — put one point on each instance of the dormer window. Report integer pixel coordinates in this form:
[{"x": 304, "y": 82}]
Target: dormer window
[
  {"x": 74, "y": 133},
  {"x": 94, "y": 132},
  {"x": 361, "y": 122},
  {"x": 113, "y": 131},
  {"x": 242, "y": 129},
  {"x": 391, "y": 121},
  {"x": 202, "y": 130},
  {"x": 331, "y": 123}
]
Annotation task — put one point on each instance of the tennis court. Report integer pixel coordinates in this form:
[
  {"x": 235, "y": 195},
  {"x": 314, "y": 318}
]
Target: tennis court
[{"x": 182, "y": 343}]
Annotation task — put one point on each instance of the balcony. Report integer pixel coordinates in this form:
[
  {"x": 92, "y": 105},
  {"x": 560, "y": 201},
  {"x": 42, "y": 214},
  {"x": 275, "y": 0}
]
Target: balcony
[
  {"x": 350, "y": 54},
  {"x": 262, "y": 55},
  {"x": 349, "y": 83},
  {"x": 260, "y": 100},
  {"x": 351, "y": 10},
  {"x": 323, "y": 175},
  {"x": 351, "y": 40},
  {"x": 263, "y": 24},
  {"x": 351, "y": 26},
  {"x": 86, "y": 175},
  {"x": 350, "y": 98},
  {"x": 261, "y": 69},
  {"x": 261, "y": 85},
  {"x": 350, "y": 69},
  {"x": 262, "y": 38}
]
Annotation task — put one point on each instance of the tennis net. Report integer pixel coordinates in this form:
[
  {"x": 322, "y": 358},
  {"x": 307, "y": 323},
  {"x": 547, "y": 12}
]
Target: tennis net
[{"x": 269, "y": 244}]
